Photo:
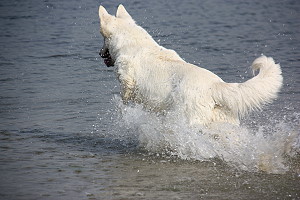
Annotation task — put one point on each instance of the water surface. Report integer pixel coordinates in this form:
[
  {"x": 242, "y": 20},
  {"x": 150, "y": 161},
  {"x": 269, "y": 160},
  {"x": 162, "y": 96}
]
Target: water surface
[{"x": 65, "y": 135}]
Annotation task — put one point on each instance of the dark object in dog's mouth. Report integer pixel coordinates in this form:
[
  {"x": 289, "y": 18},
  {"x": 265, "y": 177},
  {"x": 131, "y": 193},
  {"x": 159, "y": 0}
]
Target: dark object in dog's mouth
[{"x": 104, "y": 53}]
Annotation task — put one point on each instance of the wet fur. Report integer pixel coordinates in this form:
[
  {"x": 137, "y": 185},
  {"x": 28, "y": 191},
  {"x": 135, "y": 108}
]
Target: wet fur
[{"x": 160, "y": 80}]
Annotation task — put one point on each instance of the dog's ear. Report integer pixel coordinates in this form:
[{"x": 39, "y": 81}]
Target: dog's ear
[
  {"x": 122, "y": 13},
  {"x": 103, "y": 15}
]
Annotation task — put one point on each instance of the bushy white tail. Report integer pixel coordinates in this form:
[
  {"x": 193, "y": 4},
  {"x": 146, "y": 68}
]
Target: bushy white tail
[{"x": 240, "y": 98}]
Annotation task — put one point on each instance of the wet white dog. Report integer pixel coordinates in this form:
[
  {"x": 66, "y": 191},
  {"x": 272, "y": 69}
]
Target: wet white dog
[{"x": 160, "y": 80}]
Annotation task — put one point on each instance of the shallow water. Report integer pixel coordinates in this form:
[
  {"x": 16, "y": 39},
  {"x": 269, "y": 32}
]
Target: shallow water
[{"x": 65, "y": 135}]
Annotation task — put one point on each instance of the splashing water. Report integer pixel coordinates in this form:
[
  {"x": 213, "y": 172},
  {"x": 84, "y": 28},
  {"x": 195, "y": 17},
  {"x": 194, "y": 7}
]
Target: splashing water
[{"x": 264, "y": 148}]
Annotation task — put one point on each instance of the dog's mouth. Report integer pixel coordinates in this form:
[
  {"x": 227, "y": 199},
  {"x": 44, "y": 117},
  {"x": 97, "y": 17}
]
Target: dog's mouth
[{"x": 104, "y": 53}]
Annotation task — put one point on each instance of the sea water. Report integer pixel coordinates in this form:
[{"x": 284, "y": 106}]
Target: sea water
[{"x": 65, "y": 134}]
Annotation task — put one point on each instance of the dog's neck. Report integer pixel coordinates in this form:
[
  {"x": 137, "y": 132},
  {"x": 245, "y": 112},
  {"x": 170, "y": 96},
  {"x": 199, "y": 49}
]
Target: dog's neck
[{"x": 122, "y": 43}]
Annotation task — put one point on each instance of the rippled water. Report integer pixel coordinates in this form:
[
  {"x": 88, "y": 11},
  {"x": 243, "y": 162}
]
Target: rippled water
[{"x": 65, "y": 135}]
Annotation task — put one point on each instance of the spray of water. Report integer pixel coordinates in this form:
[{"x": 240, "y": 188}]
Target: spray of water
[{"x": 264, "y": 148}]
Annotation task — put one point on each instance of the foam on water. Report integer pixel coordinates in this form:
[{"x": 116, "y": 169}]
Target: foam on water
[{"x": 264, "y": 148}]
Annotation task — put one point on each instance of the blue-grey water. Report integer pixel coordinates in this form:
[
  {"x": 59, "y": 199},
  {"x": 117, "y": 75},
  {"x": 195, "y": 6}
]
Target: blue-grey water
[{"x": 61, "y": 132}]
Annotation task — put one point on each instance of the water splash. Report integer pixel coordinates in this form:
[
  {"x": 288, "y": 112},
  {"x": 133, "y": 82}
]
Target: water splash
[{"x": 264, "y": 148}]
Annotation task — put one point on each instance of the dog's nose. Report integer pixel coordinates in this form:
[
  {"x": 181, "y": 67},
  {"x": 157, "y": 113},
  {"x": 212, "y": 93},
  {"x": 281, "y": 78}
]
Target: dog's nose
[
  {"x": 104, "y": 53},
  {"x": 101, "y": 53}
]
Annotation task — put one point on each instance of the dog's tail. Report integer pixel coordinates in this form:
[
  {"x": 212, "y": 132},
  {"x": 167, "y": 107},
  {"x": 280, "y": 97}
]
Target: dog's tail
[{"x": 240, "y": 98}]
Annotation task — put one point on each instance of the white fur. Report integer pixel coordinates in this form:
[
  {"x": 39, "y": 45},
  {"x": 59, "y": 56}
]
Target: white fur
[{"x": 160, "y": 80}]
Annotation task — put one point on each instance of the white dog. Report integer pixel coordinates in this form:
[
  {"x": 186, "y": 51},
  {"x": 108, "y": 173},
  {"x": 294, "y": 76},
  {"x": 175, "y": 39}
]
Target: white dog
[{"x": 160, "y": 80}]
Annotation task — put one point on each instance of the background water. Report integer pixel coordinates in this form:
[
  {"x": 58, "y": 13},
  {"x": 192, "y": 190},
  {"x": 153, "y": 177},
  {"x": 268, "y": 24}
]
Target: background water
[{"x": 61, "y": 132}]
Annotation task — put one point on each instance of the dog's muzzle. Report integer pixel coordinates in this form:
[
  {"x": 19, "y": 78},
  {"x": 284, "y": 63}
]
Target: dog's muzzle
[{"x": 104, "y": 53}]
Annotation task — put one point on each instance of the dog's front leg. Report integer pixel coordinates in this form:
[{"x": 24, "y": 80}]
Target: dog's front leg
[
  {"x": 125, "y": 74},
  {"x": 127, "y": 92}
]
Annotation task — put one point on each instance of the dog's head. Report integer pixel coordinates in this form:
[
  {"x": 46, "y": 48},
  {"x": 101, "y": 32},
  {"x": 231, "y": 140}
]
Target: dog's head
[{"x": 113, "y": 30}]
